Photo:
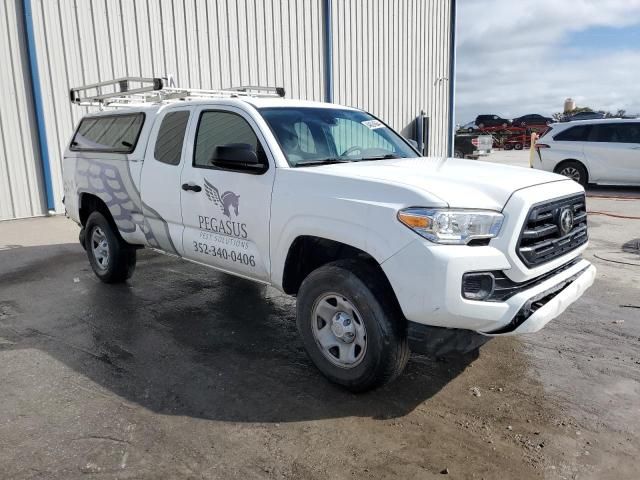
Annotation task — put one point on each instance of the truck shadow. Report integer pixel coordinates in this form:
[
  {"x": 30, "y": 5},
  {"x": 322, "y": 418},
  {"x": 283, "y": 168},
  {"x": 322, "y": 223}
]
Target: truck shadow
[{"x": 180, "y": 339}]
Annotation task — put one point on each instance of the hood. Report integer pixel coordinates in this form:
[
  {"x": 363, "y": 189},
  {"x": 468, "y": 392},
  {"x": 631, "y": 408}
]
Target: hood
[{"x": 459, "y": 183}]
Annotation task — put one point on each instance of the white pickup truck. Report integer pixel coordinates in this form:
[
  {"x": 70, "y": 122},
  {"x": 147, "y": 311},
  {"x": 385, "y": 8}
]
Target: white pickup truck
[{"x": 386, "y": 251}]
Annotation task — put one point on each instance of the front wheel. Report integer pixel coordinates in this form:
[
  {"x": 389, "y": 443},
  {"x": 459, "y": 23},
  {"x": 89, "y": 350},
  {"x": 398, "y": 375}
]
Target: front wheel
[
  {"x": 573, "y": 170},
  {"x": 111, "y": 258},
  {"x": 458, "y": 154},
  {"x": 351, "y": 327}
]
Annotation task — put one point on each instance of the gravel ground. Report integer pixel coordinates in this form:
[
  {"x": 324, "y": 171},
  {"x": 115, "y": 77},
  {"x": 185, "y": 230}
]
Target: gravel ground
[{"x": 174, "y": 375}]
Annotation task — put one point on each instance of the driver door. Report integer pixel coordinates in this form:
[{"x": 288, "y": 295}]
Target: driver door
[{"x": 226, "y": 210}]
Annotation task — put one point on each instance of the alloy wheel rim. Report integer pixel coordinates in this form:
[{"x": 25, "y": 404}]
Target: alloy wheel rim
[
  {"x": 100, "y": 248},
  {"x": 571, "y": 173},
  {"x": 339, "y": 330}
]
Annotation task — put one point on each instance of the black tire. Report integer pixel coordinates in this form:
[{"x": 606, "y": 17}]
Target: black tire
[
  {"x": 508, "y": 146},
  {"x": 121, "y": 257},
  {"x": 518, "y": 146},
  {"x": 574, "y": 170},
  {"x": 365, "y": 287},
  {"x": 458, "y": 154}
]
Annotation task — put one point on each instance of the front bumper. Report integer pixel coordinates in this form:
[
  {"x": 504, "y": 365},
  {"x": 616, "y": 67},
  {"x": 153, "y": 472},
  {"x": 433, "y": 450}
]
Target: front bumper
[
  {"x": 427, "y": 281},
  {"x": 548, "y": 304}
]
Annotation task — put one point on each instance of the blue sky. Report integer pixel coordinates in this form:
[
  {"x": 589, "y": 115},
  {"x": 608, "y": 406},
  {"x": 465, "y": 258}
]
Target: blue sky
[
  {"x": 604, "y": 38},
  {"x": 527, "y": 56}
]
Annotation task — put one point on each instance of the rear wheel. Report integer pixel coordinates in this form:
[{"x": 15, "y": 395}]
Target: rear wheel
[
  {"x": 458, "y": 154},
  {"x": 518, "y": 146},
  {"x": 351, "y": 327},
  {"x": 111, "y": 258},
  {"x": 573, "y": 170}
]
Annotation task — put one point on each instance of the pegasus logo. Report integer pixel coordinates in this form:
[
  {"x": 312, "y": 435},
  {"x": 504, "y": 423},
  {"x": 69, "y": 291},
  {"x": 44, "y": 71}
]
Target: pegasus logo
[{"x": 225, "y": 201}]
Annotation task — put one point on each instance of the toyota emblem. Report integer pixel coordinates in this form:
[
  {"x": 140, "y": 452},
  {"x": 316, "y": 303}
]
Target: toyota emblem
[{"x": 565, "y": 220}]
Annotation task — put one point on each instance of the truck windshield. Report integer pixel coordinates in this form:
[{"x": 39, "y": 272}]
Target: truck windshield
[{"x": 316, "y": 136}]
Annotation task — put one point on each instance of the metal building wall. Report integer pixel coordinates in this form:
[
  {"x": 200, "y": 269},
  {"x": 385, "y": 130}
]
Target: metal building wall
[
  {"x": 391, "y": 57},
  {"x": 203, "y": 44},
  {"x": 21, "y": 187}
]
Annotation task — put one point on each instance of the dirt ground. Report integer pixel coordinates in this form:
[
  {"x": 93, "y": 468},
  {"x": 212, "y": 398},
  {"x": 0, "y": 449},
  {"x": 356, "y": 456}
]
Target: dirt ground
[{"x": 189, "y": 373}]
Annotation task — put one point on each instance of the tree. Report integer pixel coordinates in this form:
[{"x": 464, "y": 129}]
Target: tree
[
  {"x": 560, "y": 116},
  {"x": 620, "y": 113}
]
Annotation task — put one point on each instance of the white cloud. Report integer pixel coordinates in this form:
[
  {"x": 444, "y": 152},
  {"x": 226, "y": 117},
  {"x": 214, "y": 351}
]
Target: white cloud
[{"x": 509, "y": 63}]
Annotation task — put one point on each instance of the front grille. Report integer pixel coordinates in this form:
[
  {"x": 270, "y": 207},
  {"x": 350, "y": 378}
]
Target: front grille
[
  {"x": 545, "y": 235},
  {"x": 505, "y": 288}
]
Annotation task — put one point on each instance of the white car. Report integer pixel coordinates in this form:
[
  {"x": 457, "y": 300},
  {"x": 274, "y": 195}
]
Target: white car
[
  {"x": 386, "y": 251},
  {"x": 605, "y": 152}
]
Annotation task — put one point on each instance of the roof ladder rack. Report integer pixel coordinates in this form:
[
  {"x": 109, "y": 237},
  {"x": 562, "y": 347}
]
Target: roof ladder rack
[
  {"x": 128, "y": 91},
  {"x": 279, "y": 91},
  {"x": 116, "y": 88}
]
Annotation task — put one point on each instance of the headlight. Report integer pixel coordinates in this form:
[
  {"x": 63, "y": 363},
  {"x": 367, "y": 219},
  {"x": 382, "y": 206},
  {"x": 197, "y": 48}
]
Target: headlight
[{"x": 453, "y": 227}]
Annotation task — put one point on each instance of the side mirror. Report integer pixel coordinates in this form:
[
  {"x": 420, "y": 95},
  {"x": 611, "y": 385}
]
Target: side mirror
[
  {"x": 412, "y": 142},
  {"x": 235, "y": 155}
]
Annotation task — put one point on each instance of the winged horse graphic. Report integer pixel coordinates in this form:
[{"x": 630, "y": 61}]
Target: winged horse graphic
[{"x": 225, "y": 201}]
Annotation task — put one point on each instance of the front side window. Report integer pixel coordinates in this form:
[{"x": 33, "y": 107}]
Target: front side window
[
  {"x": 217, "y": 129},
  {"x": 112, "y": 133},
  {"x": 311, "y": 136},
  {"x": 579, "y": 133},
  {"x": 171, "y": 137},
  {"x": 630, "y": 132}
]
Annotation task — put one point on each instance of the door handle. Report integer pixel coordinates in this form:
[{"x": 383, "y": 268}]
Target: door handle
[{"x": 194, "y": 188}]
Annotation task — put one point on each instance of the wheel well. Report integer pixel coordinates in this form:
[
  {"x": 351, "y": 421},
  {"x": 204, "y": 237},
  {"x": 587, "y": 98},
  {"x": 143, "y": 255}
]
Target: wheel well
[
  {"x": 90, "y": 203},
  {"x": 571, "y": 160},
  {"x": 308, "y": 253}
]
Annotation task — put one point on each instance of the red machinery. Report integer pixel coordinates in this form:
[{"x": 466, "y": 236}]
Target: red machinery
[{"x": 513, "y": 137}]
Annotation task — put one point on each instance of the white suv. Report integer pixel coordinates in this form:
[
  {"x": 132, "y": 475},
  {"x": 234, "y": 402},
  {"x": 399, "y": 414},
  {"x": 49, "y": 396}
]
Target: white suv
[
  {"x": 605, "y": 152},
  {"x": 385, "y": 251}
]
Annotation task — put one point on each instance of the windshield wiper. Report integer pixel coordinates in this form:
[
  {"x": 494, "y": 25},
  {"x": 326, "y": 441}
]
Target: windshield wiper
[
  {"x": 324, "y": 161},
  {"x": 388, "y": 156}
]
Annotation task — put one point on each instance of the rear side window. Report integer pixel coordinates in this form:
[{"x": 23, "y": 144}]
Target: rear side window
[
  {"x": 579, "y": 133},
  {"x": 112, "y": 133},
  {"x": 616, "y": 133},
  {"x": 171, "y": 137}
]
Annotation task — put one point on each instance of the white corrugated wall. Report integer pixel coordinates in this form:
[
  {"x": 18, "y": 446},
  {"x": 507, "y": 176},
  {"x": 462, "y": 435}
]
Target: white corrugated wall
[
  {"x": 21, "y": 189},
  {"x": 390, "y": 57},
  {"x": 204, "y": 44}
]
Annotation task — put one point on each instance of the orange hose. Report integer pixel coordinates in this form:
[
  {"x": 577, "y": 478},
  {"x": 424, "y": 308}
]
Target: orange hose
[
  {"x": 615, "y": 215},
  {"x": 611, "y": 197}
]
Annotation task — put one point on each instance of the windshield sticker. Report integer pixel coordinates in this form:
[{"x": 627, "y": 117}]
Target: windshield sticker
[{"x": 373, "y": 124}]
